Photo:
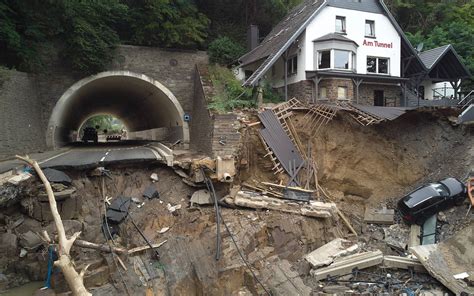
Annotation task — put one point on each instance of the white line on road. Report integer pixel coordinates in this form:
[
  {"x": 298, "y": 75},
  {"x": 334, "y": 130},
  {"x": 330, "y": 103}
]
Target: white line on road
[
  {"x": 106, "y": 153},
  {"x": 53, "y": 157}
]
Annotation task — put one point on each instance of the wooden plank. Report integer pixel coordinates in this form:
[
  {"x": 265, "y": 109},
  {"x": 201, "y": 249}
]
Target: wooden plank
[{"x": 283, "y": 187}]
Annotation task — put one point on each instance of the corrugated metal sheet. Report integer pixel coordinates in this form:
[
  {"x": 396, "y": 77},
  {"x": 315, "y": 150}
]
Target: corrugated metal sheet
[{"x": 279, "y": 142}]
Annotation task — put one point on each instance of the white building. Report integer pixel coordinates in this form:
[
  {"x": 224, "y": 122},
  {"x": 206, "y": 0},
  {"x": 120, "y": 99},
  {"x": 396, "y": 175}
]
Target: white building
[{"x": 350, "y": 50}]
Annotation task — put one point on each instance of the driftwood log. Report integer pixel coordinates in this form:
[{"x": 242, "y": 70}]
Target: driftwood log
[{"x": 74, "y": 279}]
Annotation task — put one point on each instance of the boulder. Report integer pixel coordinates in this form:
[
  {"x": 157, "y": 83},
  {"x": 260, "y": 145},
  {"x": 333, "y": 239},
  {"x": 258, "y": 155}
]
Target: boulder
[
  {"x": 30, "y": 240},
  {"x": 201, "y": 197}
]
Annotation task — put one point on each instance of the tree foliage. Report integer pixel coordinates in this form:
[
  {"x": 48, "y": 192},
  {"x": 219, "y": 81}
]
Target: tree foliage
[{"x": 224, "y": 51}]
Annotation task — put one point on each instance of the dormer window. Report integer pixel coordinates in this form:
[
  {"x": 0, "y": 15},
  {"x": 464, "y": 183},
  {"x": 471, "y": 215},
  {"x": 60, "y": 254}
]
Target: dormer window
[
  {"x": 341, "y": 24},
  {"x": 369, "y": 28}
]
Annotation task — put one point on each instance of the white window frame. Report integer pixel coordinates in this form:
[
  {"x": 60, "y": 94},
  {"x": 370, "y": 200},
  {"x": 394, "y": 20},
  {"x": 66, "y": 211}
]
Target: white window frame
[
  {"x": 372, "y": 22},
  {"x": 351, "y": 55},
  {"x": 377, "y": 65},
  {"x": 343, "y": 23},
  {"x": 321, "y": 96}
]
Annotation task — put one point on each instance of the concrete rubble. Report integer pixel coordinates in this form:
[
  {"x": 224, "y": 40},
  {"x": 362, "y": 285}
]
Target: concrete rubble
[
  {"x": 326, "y": 254},
  {"x": 201, "y": 197},
  {"x": 314, "y": 209}
]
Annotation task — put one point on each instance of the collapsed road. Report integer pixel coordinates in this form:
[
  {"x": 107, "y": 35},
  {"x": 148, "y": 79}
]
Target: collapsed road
[{"x": 335, "y": 231}]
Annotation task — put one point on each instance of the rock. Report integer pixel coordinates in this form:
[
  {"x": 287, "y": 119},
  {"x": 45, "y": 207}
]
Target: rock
[
  {"x": 164, "y": 229},
  {"x": 151, "y": 192},
  {"x": 70, "y": 226},
  {"x": 23, "y": 253},
  {"x": 8, "y": 243},
  {"x": 442, "y": 217},
  {"x": 3, "y": 282},
  {"x": 30, "y": 240},
  {"x": 396, "y": 236},
  {"x": 326, "y": 254},
  {"x": 59, "y": 196},
  {"x": 172, "y": 209},
  {"x": 154, "y": 177},
  {"x": 201, "y": 197},
  {"x": 118, "y": 210},
  {"x": 55, "y": 176}
]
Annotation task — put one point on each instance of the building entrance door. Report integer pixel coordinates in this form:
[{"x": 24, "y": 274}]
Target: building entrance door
[{"x": 379, "y": 98}]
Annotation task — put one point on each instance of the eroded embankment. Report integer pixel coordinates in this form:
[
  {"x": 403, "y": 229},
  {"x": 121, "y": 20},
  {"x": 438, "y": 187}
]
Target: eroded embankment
[{"x": 368, "y": 165}]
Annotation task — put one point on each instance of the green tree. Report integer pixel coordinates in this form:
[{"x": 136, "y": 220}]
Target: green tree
[
  {"x": 224, "y": 51},
  {"x": 168, "y": 23}
]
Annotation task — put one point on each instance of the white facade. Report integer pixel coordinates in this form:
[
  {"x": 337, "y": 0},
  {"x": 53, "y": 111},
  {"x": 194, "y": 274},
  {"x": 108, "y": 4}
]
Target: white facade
[
  {"x": 325, "y": 23},
  {"x": 433, "y": 91}
]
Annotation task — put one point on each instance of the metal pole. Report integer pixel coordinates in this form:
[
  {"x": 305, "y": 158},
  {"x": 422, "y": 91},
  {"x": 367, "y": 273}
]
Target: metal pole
[{"x": 286, "y": 76}]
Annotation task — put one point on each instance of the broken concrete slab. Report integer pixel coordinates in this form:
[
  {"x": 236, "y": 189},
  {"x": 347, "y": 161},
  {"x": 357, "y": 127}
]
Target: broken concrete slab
[
  {"x": 347, "y": 264},
  {"x": 379, "y": 216},
  {"x": 449, "y": 258},
  {"x": 30, "y": 240},
  {"x": 258, "y": 201},
  {"x": 17, "y": 179},
  {"x": 415, "y": 236},
  {"x": 201, "y": 197},
  {"x": 279, "y": 277},
  {"x": 398, "y": 262},
  {"x": 151, "y": 192},
  {"x": 326, "y": 254},
  {"x": 118, "y": 209},
  {"x": 55, "y": 176},
  {"x": 396, "y": 236}
]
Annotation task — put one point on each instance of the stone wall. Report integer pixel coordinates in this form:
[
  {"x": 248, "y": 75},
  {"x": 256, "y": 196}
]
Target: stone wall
[
  {"x": 332, "y": 85},
  {"x": 20, "y": 116},
  {"x": 201, "y": 125},
  {"x": 392, "y": 94},
  {"x": 211, "y": 133},
  {"x": 302, "y": 90}
]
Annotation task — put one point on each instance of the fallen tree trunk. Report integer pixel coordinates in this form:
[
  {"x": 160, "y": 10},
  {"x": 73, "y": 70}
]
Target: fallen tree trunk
[
  {"x": 103, "y": 248},
  {"x": 75, "y": 280}
]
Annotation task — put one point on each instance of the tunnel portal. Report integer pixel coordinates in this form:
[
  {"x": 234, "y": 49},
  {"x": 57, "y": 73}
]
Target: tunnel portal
[{"x": 141, "y": 102}]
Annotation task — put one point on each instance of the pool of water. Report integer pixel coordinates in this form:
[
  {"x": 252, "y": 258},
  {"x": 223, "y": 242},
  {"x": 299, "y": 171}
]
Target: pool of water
[{"x": 24, "y": 290}]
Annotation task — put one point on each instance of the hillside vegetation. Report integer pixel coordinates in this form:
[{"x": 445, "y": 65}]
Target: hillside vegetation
[{"x": 86, "y": 32}]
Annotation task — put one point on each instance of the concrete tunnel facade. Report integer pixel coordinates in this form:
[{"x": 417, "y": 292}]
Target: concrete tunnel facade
[{"x": 141, "y": 102}]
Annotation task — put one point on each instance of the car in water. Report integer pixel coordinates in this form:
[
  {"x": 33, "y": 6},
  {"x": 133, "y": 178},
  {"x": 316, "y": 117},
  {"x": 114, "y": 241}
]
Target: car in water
[
  {"x": 90, "y": 134},
  {"x": 429, "y": 199}
]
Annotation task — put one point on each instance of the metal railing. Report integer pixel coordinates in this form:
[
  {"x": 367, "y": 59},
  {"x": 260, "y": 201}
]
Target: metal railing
[{"x": 467, "y": 100}]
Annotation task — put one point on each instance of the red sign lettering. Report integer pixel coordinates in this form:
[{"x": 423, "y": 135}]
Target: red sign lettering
[{"x": 377, "y": 44}]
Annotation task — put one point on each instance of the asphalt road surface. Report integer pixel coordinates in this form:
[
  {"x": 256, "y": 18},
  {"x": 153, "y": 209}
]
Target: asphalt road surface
[{"x": 92, "y": 157}]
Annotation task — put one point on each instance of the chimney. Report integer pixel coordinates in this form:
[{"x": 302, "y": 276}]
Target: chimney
[{"x": 252, "y": 37}]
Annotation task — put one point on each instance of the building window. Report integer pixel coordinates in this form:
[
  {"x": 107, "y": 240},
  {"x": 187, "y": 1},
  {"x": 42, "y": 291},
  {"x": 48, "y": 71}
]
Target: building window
[
  {"x": 342, "y": 93},
  {"x": 369, "y": 28},
  {"x": 383, "y": 66},
  {"x": 340, "y": 24},
  {"x": 323, "y": 93},
  {"x": 292, "y": 65},
  {"x": 324, "y": 59},
  {"x": 378, "y": 65},
  {"x": 341, "y": 59}
]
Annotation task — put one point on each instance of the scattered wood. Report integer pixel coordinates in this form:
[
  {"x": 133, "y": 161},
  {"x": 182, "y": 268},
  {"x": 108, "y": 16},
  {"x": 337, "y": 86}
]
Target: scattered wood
[
  {"x": 346, "y": 221},
  {"x": 143, "y": 248},
  {"x": 75, "y": 280},
  {"x": 253, "y": 123},
  {"x": 290, "y": 187},
  {"x": 258, "y": 201},
  {"x": 347, "y": 264},
  {"x": 99, "y": 247}
]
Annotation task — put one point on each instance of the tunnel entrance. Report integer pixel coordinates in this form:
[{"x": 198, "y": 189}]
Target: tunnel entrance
[{"x": 142, "y": 103}]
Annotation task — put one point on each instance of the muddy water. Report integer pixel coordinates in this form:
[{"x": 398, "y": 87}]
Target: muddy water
[{"x": 25, "y": 290}]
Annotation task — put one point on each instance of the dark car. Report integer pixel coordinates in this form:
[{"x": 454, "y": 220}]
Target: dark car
[
  {"x": 90, "y": 134},
  {"x": 427, "y": 200}
]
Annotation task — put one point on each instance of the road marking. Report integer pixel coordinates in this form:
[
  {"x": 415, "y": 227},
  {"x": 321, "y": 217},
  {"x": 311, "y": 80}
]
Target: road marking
[
  {"x": 102, "y": 159},
  {"x": 106, "y": 153},
  {"x": 53, "y": 157}
]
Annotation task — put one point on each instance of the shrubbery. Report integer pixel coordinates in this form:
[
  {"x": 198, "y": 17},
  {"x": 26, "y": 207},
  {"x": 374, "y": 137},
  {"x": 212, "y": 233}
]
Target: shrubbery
[{"x": 224, "y": 51}]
